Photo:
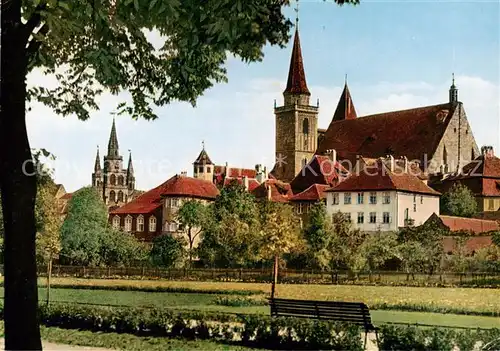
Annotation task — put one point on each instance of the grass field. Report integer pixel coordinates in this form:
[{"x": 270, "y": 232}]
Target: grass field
[{"x": 465, "y": 298}]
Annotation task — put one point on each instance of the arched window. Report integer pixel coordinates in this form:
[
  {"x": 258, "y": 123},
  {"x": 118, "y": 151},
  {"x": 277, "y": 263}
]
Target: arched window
[
  {"x": 128, "y": 224},
  {"x": 116, "y": 222},
  {"x": 140, "y": 223},
  {"x": 120, "y": 196},
  {"x": 112, "y": 196},
  {"x": 304, "y": 162},
  {"x": 120, "y": 180},
  {"x": 112, "y": 179},
  {"x": 152, "y": 224},
  {"x": 305, "y": 126},
  {"x": 445, "y": 156},
  {"x": 472, "y": 155}
]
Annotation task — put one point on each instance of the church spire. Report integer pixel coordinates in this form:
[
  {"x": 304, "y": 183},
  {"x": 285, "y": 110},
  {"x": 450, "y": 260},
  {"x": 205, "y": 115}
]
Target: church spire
[
  {"x": 345, "y": 107},
  {"x": 97, "y": 166},
  {"x": 113, "y": 142},
  {"x": 130, "y": 168},
  {"x": 453, "y": 90},
  {"x": 296, "y": 83}
]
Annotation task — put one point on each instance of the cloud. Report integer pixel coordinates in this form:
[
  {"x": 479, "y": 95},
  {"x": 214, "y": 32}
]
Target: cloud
[{"x": 237, "y": 123}]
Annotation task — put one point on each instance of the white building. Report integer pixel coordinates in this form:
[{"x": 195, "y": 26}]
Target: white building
[{"x": 383, "y": 196}]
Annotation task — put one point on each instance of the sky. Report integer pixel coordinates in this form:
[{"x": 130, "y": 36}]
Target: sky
[{"x": 397, "y": 55}]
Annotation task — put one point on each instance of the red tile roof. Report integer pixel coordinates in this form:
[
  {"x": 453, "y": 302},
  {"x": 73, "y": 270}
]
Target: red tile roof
[
  {"x": 175, "y": 186},
  {"x": 280, "y": 191},
  {"x": 221, "y": 173},
  {"x": 252, "y": 183},
  {"x": 379, "y": 177},
  {"x": 474, "y": 225},
  {"x": 314, "y": 193},
  {"x": 296, "y": 83},
  {"x": 472, "y": 244},
  {"x": 345, "y": 108},
  {"x": 67, "y": 196},
  {"x": 411, "y": 133},
  {"x": 320, "y": 170}
]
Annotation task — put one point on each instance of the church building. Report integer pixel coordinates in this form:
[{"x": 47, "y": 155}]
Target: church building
[{"x": 115, "y": 184}]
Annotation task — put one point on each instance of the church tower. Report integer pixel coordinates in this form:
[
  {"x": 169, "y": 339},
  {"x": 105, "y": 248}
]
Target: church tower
[
  {"x": 296, "y": 121},
  {"x": 97, "y": 175},
  {"x": 203, "y": 167}
]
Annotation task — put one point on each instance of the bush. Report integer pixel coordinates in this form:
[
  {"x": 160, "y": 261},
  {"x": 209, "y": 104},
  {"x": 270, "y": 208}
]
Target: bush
[{"x": 238, "y": 301}]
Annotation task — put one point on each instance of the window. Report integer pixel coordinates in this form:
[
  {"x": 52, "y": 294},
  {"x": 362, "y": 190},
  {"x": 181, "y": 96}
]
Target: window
[
  {"x": 335, "y": 200},
  {"x": 407, "y": 214},
  {"x": 152, "y": 224},
  {"x": 120, "y": 180},
  {"x": 361, "y": 198},
  {"x": 116, "y": 222},
  {"x": 414, "y": 198},
  {"x": 305, "y": 126},
  {"x": 455, "y": 130},
  {"x": 140, "y": 223},
  {"x": 387, "y": 198},
  {"x": 445, "y": 156},
  {"x": 128, "y": 224},
  {"x": 299, "y": 208},
  {"x": 373, "y": 198},
  {"x": 120, "y": 196},
  {"x": 112, "y": 196},
  {"x": 200, "y": 169},
  {"x": 112, "y": 179},
  {"x": 421, "y": 199},
  {"x": 174, "y": 202},
  {"x": 361, "y": 218},
  {"x": 491, "y": 204},
  {"x": 386, "y": 217},
  {"x": 414, "y": 207},
  {"x": 173, "y": 227},
  {"x": 373, "y": 217},
  {"x": 347, "y": 198},
  {"x": 304, "y": 162},
  {"x": 472, "y": 155},
  {"x": 347, "y": 216}
]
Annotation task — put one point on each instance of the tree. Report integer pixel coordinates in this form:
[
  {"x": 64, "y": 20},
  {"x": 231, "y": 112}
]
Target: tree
[
  {"x": 280, "y": 234},
  {"x": 120, "y": 249},
  {"x": 378, "y": 248},
  {"x": 192, "y": 216},
  {"x": 318, "y": 235},
  {"x": 231, "y": 229},
  {"x": 48, "y": 237},
  {"x": 104, "y": 47},
  {"x": 167, "y": 251},
  {"x": 84, "y": 228},
  {"x": 458, "y": 201},
  {"x": 495, "y": 237}
]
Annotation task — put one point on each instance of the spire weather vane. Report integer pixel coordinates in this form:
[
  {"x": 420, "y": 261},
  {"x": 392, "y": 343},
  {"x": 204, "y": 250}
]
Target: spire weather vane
[{"x": 297, "y": 14}]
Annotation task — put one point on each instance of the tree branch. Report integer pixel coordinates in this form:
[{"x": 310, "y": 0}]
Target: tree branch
[
  {"x": 34, "y": 21},
  {"x": 34, "y": 44}
]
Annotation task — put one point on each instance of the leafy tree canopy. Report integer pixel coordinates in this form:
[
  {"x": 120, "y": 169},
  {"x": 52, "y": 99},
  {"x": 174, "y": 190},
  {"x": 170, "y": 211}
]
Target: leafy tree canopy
[
  {"x": 167, "y": 251},
  {"x": 318, "y": 235},
  {"x": 459, "y": 201}
]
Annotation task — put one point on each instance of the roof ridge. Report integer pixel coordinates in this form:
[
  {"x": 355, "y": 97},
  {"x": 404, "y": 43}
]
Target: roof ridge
[{"x": 469, "y": 218}]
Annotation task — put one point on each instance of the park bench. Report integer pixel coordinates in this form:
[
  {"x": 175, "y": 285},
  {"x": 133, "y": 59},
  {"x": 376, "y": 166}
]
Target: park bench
[{"x": 344, "y": 312}]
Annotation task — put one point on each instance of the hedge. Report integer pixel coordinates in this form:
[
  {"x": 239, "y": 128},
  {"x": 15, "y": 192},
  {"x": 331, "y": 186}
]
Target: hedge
[{"x": 256, "y": 331}]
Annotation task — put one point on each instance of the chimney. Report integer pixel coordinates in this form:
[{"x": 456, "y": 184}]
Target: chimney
[
  {"x": 405, "y": 163},
  {"x": 487, "y": 151},
  {"x": 245, "y": 182},
  {"x": 269, "y": 197},
  {"x": 390, "y": 159},
  {"x": 183, "y": 174},
  {"x": 227, "y": 170},
  {"x": 332, "y": 155}
]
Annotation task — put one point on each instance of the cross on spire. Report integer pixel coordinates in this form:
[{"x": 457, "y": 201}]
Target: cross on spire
[
  {"x": 203, "y": 144},
  {"x": 297, "y": 14}
]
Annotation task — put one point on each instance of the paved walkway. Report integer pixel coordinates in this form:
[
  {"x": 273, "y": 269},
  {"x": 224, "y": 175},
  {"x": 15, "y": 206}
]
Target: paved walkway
[{"x": 48, "y": 346}]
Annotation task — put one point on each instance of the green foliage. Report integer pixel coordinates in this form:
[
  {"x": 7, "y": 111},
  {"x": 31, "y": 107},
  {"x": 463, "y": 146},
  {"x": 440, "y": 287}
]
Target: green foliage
[
  {"x": 192, "y": 215},
  {"x": 318, "y": 235},
  {"x": 167, "y": 251},
  {"x": 239, "y": 301},
  {"x": 378, "y": 248},
  {"x": 48, "y": 237},
  {"x": 458, "y": 201},
  {"x": 495, "y": 238},
  {"x": 231, "y": 230},
  {"x": 84, "y": 228},
  {"x": 121, "y": 249}
]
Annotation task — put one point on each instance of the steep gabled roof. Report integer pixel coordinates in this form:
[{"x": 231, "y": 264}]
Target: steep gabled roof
[
  {"x": 345, "y": 108},
  {"x": 378, "y": 177},
  {"x": 176, "y": 186},
  {"x": 411, "y": 133},
  {"x": 280, "y": 191},
  {"x": 296, "y": 83},
  {"x": 315, "y": 192},
  {"x": 203, "y": 159},
  {"x": 320, "y": 170}
]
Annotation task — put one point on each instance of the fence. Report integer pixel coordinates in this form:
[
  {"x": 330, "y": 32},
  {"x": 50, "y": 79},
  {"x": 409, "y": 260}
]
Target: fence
[{"x": 265, "y": 275}]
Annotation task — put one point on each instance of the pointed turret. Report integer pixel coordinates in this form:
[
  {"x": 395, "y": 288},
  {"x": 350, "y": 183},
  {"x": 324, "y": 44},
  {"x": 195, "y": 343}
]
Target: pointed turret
[
  {"x": 345, "y": 107},
  {"x": 203, "y": 167},
  {"x": 453, "y": 90},
  {"x": 97, "y": 166},
  {"x": 203, "y": 158},
  {"x": 113, "y": 142},
  {"x": 296, "y": 84},
  {"x": 130, "y": 168}
]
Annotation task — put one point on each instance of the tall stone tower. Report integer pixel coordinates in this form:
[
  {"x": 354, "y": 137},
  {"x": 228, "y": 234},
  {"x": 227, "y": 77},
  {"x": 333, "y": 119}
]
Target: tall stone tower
[
  {"x": 296, "y": 121},
  {"x": 115, "y": 184},
  {"x": 203, "y": 167}
]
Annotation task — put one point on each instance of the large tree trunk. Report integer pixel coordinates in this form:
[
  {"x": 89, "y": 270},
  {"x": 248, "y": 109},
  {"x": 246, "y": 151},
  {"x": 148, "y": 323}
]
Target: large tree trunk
[
  {"x": 275, "y": 276},
  {"x": 18, "y": 186},
  {"x": 49, "y": 275}
]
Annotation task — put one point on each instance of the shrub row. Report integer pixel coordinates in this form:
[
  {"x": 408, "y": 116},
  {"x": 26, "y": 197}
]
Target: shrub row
[
  {"x": 258, "y": 331},
  {"x": 434, "y": 309},
  {"x": 239, "y": 301}
]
